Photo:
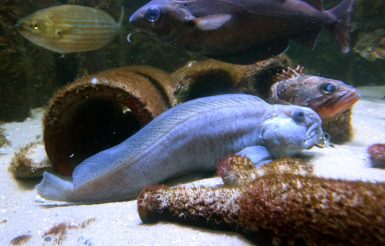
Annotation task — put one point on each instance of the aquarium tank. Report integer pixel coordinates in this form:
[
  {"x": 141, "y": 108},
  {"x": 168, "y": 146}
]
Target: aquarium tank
[{"x": 190, "y": 122}]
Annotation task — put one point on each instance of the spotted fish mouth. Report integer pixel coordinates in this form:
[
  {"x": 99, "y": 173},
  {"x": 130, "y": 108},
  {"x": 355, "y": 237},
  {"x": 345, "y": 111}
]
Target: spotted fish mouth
[
  {"x": 314, "y": 136},
  {"x": 337, "y": 105},
  {"x": 347, "y": 100}
]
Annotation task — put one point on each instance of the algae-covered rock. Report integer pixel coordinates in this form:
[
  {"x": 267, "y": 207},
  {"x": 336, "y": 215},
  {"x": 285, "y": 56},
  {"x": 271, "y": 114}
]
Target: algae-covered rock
[
  {"x": 371, "y": 46},
  {"x": 3, "y": 139},
  {"x": 30, "y": 162}
]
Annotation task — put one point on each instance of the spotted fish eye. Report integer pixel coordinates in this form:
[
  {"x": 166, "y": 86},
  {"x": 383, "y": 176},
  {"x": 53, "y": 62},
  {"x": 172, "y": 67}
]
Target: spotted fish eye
[
  {"x": 328, "y": 88},
  {"x": 152, "y": 14},
  {"x": 299, "y": 116}
]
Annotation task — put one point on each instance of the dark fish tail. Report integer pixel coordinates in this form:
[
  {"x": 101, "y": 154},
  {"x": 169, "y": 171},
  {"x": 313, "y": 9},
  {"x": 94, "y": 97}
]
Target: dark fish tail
[{"x": 340, "y": 29}]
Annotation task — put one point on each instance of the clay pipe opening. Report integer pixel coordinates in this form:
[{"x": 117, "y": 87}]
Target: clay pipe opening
[
  {"x": 97, "y": 112},
  {"x": 205, "y": 78}
]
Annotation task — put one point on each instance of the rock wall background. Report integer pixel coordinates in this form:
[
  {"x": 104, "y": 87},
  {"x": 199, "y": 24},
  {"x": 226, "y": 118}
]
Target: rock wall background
[
  {"x": 29, "y": 75},
  {"x": 364, "y": 65}
]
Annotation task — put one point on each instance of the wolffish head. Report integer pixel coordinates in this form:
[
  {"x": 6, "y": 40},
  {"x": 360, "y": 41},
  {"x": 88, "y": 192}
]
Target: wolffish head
[
  {"x": 291, "y": 129},
  {"x": 161, "y": 19}
]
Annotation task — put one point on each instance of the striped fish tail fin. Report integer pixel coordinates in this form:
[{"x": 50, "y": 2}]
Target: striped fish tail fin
[
  {"x": 121, "y": 18},
  {"x": 52, "y": 187}
]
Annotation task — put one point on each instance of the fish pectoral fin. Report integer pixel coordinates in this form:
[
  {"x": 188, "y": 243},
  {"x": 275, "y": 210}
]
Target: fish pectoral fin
[
  {"x": 308, "y": 39},
  {"x": 275, "y": 100},
  {"x": 211, "y": 22},
  {"x": 259, "y": 155},
  {"x": 59, "y": 33}
]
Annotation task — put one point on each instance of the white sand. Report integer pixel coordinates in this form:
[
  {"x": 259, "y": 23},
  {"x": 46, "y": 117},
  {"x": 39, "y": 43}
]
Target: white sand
[{"x": 22, "y": 212}]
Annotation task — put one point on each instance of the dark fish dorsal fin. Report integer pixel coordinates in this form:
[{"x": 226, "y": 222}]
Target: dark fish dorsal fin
[
  {"x": 289, "y": 73},
  {"x": 318, "y": 4}
]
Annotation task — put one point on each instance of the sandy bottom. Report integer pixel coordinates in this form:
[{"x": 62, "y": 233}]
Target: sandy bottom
[{"x": 37, "y": 222}]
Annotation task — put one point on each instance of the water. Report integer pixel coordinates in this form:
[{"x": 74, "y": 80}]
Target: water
[{"x": 31, "y": 75}]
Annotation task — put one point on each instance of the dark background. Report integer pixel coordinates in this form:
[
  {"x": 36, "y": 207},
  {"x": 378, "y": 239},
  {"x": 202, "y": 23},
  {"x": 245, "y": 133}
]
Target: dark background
[{"x": 29, "y": 74}]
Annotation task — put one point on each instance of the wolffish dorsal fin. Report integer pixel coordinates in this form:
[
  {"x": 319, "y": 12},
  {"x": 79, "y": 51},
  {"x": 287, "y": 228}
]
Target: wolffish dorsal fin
[
  {"x": 289, "y": 73},
  {"x": 318, "y": 4}
]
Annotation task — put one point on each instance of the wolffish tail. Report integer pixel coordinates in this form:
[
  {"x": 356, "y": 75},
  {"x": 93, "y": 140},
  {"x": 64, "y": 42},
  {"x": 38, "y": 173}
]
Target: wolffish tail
[
  {"x": 340, "y": 30},
  {"x": 52, "y": 187}
]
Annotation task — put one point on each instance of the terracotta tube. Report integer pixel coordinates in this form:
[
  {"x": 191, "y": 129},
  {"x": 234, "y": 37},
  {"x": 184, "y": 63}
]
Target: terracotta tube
[
  {"x": 101, "y": 110},
  {"x": 212, "y": 77}
]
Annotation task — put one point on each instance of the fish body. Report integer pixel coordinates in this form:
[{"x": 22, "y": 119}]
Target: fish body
[
  {"x": 190, "y": 137},
  {"x": 328, "y": 97},
  {"x": 241, "y": 31},
  {"x": 69, "y": 28}
]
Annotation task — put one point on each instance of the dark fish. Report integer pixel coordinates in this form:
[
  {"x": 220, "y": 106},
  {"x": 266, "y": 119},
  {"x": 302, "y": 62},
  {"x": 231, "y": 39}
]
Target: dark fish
[
  {"x": 69, "y": 28},
  {"x": 242, "y": 31}
]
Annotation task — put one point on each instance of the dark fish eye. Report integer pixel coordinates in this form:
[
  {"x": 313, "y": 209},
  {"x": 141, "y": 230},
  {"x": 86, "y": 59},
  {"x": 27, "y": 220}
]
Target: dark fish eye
[
  {"x": 152, "y": 14},
  {"x": 299, "y": 116},
  {"x": 328, "y": 88}
]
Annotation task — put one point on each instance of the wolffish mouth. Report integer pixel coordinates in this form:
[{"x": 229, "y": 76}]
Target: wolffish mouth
[{"x": 314, "y": 135}]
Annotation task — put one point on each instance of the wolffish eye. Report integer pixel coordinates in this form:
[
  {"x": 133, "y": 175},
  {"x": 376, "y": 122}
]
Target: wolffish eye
[
  {"x": 152, "y": 14},
  {"x": 328, "y": 88},
  {"x": 299, "y": 116}
]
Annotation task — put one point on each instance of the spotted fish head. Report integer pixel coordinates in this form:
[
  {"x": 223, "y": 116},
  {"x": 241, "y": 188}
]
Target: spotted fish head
[
  {"x": 161, "y": 19},
  {"x": 292, "y": 129},
  {"x": 328, "y": 97},
  {"x": 332, "y": 98}
]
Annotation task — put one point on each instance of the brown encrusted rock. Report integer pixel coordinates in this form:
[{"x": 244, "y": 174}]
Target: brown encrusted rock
[
  {"x": 213, "y": 206},
  {"x": 340, "y": 127},
  {"x": 377, "y": 154},
  {"x": 289, "y": 206},
  {"x": 237, "y": 170},
  {"x": 30, "y": 162},
  {"x": 318, "y": 211}
]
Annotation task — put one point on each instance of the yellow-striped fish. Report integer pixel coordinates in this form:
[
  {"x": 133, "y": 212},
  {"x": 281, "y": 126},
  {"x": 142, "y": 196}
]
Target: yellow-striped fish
[{"x": 69, "y": 28}]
